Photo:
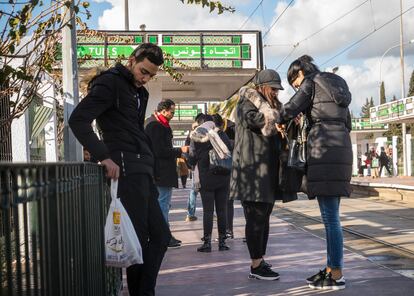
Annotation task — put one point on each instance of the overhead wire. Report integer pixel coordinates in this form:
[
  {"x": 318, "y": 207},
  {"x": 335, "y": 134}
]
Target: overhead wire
[
  {"x": 320, "y": 30},
  {"x": 366, "y": 36},
  {"x": 334, "y": 21},
  {"x": 277, "y": 19},
  {"x": 253, "y": 12}
]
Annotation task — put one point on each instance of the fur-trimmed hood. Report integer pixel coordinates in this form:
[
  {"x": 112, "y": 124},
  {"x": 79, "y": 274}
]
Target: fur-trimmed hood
[
  {"x": 200, "y": 134},
  {"x": 271, "y": 115}
]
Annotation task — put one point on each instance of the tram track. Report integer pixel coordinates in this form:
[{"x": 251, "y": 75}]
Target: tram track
[{"x": 384, "y": 253}]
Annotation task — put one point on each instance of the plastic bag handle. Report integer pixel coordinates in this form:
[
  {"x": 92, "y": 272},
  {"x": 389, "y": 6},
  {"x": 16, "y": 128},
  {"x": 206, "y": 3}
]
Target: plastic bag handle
[{"x": 114, "y": 189}]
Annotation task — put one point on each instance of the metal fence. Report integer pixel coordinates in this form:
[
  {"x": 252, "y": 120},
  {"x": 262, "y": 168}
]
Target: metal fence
[
  {"x": 5, "y": 130},
  {"x": 52, "y": 231}
]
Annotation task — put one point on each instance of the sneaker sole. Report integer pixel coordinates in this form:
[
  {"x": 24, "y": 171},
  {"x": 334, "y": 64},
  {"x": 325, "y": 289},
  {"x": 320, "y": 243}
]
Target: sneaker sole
[
  {"x": 258, "y": 277},
  {"x": 174, "y": 247},
  {"x": 335, "y": 288}
]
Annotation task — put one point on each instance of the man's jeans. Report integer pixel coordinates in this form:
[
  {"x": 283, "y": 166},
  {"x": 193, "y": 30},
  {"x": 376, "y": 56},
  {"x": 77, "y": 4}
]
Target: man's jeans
[
  {"x": 164, "y": 199},
  {"x": 191, "y": 203},
  {"x": 329, "y": 207}
]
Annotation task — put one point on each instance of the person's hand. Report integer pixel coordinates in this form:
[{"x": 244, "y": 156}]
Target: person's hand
[
  {"x": 297, "y": 118},
  {"x": 112, "y": 169},
  {"x": 185, "y": 149},
  {"x": 281, "y": 129}
]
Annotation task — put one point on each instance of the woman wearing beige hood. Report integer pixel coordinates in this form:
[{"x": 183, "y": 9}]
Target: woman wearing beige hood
[{"x": 254, "y": 177}]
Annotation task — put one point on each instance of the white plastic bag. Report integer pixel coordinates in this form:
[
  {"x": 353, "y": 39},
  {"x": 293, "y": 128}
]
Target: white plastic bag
[{"x": 122, "y": 246}]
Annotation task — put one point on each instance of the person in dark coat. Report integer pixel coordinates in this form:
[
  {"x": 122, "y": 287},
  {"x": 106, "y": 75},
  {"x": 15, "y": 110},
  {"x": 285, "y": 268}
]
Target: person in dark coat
[
  {"x": 324, "y": 99},
  {"x": 117, "y": 99},
  {"x": 384, "y": 161},
  {"x": 228, "y": 127},
  {"x": 254, "y": 176},
  {"x": 214, "y": 183},
  {"x": 159, "y": 131}
]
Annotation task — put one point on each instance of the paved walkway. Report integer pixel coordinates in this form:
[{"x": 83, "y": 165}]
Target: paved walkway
[{"x": 294, "y": 252}]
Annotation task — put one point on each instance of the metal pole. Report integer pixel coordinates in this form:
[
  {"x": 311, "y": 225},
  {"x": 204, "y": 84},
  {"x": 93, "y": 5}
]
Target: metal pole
[
  {"x": 404, "y": 127},
  {"x": 126, "y": 15},
  {"x": 72, "y": 148}
]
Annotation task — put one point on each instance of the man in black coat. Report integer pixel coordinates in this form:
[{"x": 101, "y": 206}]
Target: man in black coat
[
  {"x": 159, "y": 131},
  {"x": 118, "y": 100}
]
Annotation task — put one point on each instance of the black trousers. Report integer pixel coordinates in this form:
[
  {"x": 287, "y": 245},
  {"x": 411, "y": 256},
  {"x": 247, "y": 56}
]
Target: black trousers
[
  {"x": 217, "y": 197},
  {"x": 386, "y": 167},
  {"x": 184, "y": 180},
  {"x": 230, "y": 214},
  {"x": 257, "y": 216},
  {"x": 139, "y": 196}
]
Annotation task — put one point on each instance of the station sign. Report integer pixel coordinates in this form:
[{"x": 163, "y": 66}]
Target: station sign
[
  {"x": 202, "y": 49},
  {"x": 364, "y": 124},
  {"x": 186, "y": 112},
  {"x": 393, "y": 111}
]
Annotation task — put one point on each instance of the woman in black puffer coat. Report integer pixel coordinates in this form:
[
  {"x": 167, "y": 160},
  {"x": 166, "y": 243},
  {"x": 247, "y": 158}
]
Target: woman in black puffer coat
[{"x": 324, "y": 99}]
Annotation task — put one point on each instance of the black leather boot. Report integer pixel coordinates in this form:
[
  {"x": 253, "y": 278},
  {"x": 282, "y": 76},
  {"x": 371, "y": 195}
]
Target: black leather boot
[
  {"x": 222, "y": 243},
  {"x": 206, "y": 247}
]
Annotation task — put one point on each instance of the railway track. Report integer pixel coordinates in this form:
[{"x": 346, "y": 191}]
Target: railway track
[{"x": 384, "y": 253}]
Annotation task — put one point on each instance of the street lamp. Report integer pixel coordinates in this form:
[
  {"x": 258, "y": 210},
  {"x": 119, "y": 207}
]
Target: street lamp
[{"x": 382, "y": 58}]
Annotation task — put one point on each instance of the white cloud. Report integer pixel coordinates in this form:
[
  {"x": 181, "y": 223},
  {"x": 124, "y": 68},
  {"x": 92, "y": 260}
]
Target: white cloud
[
  {"x": 307, "y": 17},
  {"x": 168, "y": 15}
]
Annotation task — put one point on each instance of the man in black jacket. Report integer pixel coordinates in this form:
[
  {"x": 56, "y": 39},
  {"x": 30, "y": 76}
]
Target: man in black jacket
[
  {"x": 159, "y": 131},
  {"x": 117, "y": 100}
]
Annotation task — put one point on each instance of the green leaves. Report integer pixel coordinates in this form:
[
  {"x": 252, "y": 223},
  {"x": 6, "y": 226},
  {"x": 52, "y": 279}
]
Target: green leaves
[{"x": 213, "y": 5}]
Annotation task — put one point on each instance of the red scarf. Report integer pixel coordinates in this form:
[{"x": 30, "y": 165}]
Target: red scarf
[{"x": 161, "y": 119}]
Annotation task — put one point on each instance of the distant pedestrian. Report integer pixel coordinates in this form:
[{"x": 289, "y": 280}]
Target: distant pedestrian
[
  {"x": 205, "y": 140},
  {"x": 324, "y": 98},
  {"x": 117, "y": 99},
  {"x": 384, "y": 161},
  {"x": 159, "y": 131},
  {"x": 182, "y": 171},
  {"x": 255, "y": 171}
]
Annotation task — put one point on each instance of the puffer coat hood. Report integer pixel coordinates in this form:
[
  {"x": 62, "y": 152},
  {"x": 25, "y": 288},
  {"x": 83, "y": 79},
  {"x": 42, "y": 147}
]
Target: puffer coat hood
[{"x": 335, "y": 87}]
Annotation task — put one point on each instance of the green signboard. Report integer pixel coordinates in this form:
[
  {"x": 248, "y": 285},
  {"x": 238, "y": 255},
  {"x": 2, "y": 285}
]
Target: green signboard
[
  {"x": 237, "y": 50},
  {"x": 177, "y": 51},
  {"x": 393, "y": 111},
  {"x": 365, "y": 124}
]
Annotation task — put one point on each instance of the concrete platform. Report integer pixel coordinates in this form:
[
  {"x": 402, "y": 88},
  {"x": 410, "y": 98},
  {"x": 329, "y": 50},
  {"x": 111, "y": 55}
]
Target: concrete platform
[
  {"x": 387, "y": 188},
  {"x": 294, "y": 252}
]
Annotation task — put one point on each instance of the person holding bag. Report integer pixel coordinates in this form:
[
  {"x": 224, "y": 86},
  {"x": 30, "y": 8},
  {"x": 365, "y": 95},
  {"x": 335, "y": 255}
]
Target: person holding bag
[
  {"x": 210, "y": 150},
  {"x": 255, "y": 171},
  {"x": 324, "y": 98},
  {"x": 118, "y": 100}
]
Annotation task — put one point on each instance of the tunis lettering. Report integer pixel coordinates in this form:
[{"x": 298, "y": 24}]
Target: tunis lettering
[{"x": 96, "y": 51}]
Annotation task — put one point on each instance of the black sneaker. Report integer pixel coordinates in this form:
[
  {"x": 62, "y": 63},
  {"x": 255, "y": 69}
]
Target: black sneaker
[
  {"x": 174, "y": 244},
  {"x": 176, "y": 240},
  {"x": 320, "y": 275},
  {"x": 263, "y": 272},
  {"x": 328, "y": 283},
  {"x": 267, "y": 264}
]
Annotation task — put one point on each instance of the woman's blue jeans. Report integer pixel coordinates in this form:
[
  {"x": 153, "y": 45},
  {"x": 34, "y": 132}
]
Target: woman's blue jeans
[
  {"x": 329, "y": 207},
  {"x": 191, "y": 203}
]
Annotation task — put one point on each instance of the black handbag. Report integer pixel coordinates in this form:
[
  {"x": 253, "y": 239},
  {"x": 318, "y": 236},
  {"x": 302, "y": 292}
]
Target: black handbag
[{"x": 297, "y": 146}]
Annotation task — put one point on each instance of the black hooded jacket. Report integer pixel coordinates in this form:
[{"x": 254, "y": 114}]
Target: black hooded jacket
[
  {"x": 324, "y": 98},
  {"x": 118, "y": 106}
]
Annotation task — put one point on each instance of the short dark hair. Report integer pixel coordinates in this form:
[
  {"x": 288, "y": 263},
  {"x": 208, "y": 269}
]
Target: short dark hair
[
  {"x": 218, "y": 120},
  {"x": 304, "y": 64},
  {"x": 165, "y": 104},
  {"x": 150, "y": 51}
]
